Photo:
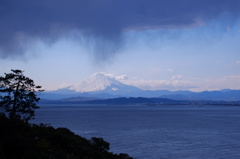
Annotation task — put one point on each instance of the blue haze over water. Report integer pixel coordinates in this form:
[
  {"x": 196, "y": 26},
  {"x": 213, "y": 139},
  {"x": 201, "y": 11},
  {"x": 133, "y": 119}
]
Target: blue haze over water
[{"x": 154, "y": 132}]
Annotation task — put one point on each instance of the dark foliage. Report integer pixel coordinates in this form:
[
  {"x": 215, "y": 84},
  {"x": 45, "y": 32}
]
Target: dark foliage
[
  {"x": 18, "y": 95},
  {"x": 20, "y": 140}
]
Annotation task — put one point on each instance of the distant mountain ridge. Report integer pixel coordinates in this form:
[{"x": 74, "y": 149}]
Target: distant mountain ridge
[
  {"x": 103, "y": 86},
  {"x": 134, "y": 101}
]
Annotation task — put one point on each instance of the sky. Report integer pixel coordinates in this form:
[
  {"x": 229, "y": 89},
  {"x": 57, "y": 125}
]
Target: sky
[{"x": 152, "y": 44}]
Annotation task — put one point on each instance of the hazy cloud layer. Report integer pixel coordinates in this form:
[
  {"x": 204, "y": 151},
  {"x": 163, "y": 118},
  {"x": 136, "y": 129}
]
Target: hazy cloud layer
[
  {"x": 229, "y": 82},
  {"x": 24, "y": 21}
]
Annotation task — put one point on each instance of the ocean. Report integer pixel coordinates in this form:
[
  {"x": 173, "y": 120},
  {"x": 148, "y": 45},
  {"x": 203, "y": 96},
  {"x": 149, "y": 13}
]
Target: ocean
[{"x": 154, "y": 132}]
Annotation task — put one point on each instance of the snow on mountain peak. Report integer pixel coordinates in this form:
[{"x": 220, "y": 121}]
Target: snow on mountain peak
[{"x": 97, "y": 82}]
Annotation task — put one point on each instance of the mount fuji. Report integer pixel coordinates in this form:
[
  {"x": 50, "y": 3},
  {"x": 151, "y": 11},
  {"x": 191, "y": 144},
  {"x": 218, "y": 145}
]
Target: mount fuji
[
  {"x": 100, "y": 84},
  {"x": 103, "y": 85}
]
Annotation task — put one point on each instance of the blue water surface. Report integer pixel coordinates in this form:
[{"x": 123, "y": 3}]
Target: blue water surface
[{"x": 154, "y": 132}]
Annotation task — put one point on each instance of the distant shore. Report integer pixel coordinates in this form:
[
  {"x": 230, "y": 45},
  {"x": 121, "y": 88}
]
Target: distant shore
[{"x": 123, "y": 101}]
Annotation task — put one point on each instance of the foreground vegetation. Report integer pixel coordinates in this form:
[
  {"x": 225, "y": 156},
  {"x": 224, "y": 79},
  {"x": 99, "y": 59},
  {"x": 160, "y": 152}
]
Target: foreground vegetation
[{"x": 21, "y": 140}]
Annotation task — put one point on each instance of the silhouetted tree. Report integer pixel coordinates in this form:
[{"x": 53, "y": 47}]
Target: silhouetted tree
[{"x": 18, "y": 95}]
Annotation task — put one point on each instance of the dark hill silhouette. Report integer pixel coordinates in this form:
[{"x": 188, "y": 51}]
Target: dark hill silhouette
[{"x": 21, "y": 140}]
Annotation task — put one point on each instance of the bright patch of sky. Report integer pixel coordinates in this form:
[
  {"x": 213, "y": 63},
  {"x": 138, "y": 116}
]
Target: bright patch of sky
[
  {"x": 208, "y": 52},
  {"x": 201, "y": 56}
]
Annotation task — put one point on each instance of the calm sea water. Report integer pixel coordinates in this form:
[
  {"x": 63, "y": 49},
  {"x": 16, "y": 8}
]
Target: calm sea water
[{"x": 154, "y": 132}]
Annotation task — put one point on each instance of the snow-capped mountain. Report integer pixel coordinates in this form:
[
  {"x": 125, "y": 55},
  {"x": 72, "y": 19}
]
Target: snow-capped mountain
[
  {"x": 100, "y": 85},
  {"x": 102, "y": 82},
  {"x": 103, "y": 85},
  {"x": 96, "y": 82}
]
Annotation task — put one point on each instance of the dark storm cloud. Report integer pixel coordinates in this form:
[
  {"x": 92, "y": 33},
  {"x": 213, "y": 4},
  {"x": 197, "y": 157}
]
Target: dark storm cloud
[{"x": 23, "y": 21}]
